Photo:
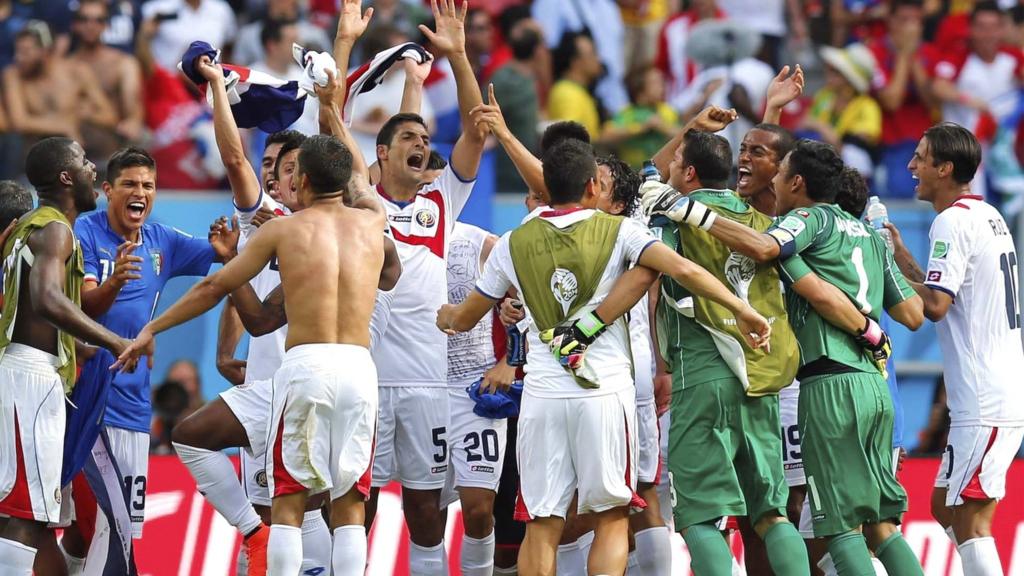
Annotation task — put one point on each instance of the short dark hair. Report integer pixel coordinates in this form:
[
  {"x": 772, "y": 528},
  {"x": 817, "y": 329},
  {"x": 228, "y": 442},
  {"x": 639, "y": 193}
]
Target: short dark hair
[
  {"x": 985, "y": 6},
  {"x": 819, "y": 165},
  {"x": 436, "y": 161},
  {"x": 15, "y": 202},
  {"x": 524, "y": 43},
  {"x": 853, "y": 192},
  {"x": 951, "y": 142},
  {"x": 511, "y": 16},
  {"x": 293, "y": 142},
  {"x": 388, "y": 130},
  {"x": 625, "y": 183},
  {"x": 284, "y": 137},
  {"x": 45, "y": 161},
  {"x": 567, "y": 50},
  {"x": 128, "y": 157},
  {"x": 710, "y": 155},
  {"x": 568, "y": 166},
  {"x": 273, "y": 30},
  {"x": 784, "y": 140},
  {"x": 564, "y": 130},
  {"x": 327, "y": 163}
]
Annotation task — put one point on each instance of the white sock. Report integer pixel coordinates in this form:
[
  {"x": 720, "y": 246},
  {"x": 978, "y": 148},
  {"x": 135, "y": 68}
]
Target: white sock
[
  {"x": 980, "y": 558},
  {"x": 15, "y": 558},
  {"x": 737, "y": 570},
  {"x": 827, "y": 565},
  {"x": 75, "y": 565},
  {"x": 349, "y": 555},
  {"x": 510, "y": 571},
  {"x": 478, "y": 555},
  {"x": 284, "y": 550},
  {"x": 951, "y": 535},
  {"x": 570, "y": 560},
  {"x": 879, "y": 567},
  {"x": 316, "y": 542},
  {"x": 585, "y": 542},
  {"x": 217, "y": 481},
  {"x": 426, "y": 561},
  {"x": 632, "y": 564},
  {"x": 654, "y": 551}
]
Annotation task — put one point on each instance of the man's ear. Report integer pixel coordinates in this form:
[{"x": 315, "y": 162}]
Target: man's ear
[
  {"x": 382, "y": 152},
  {"x": 65, "y": 178}
]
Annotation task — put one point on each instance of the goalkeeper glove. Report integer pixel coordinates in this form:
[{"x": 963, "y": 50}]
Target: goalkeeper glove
[
  {"x": 876, "y": 342},
  {"x": 570, "y": 343},
  {"x": 657, "y": 198}
]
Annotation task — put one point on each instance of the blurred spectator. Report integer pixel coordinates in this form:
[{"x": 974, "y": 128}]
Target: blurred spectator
[
  {"x": 392, "y": 15},
  {"x": 901, "y": 87},
  {"x": 249, "y": 46},
  {"x": 13, "y": 18},
  {"x": 170, "y": 406},
  {"x": 603, "y": 20},
  {"x": 932, "y": 438},
  {"x": 857, "y": 20},
  {"x": 576, "y": 68},
  {"x": 643, "y": 127},
  {"x": 842, "y": 113},
  {"x": 116, "y": 73},
  {"x": 186, "y": 373},
  {"x": 480, "y": 43},
  {"x": 671, "y": 59},
  {"x": 768, "y": 18},
  {"x": 123, "y": 19},
  {"x": 277, "y": 37},
  {"x": 515, "y": 87},
  {"x": 10, "y": 149},
  {"x": 643, "y": 20},
  {"x": 48, "y": 95},
  {"x": 180, "y": 22}
]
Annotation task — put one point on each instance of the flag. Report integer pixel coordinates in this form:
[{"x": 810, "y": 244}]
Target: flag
[{"x": 370, "y": 75}]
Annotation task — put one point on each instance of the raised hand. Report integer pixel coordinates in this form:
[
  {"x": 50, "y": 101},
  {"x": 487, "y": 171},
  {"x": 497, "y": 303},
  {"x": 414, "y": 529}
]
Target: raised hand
[
  {"x": 209, "y": 70},
  {"x": 713, "y": 119},
  {"x": 224, "y": 238},
  {"x": 328, "y": 94},
  {"x": 450, "y": 37},
  {"x": 785, "y": 88},
  {"x": 416, "y": 72},
  {"x": 352, "y": 21},
  {"x": 126, "y": 265}
]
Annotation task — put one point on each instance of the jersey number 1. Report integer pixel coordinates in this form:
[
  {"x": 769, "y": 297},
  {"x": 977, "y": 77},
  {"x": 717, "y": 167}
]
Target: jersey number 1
[
  {"x": 857, "y": 258},
  {"x": 1008, "y": 264}
]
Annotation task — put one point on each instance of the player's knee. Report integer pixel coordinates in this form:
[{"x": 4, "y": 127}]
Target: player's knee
[
  {"x": 478, "y": 519},
  {"x": 188, "y": 432},
  {"x": 940, "y": 512},
  {"x": 425, "y": 520}
]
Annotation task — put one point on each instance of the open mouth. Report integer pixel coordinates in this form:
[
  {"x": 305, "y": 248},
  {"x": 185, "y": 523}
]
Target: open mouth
[
  {"x": 136, "y": 209},
  {"x": 415, "y": 161},
  {"x": 743, "y": 177}
]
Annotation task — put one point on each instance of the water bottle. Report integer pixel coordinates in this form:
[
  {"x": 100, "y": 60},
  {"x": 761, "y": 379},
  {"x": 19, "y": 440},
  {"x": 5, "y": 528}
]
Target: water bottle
[
  {"x": 878, "y": 216},
  {"x": 515, "y": 341},
  {"x": 650, "y": 172}
]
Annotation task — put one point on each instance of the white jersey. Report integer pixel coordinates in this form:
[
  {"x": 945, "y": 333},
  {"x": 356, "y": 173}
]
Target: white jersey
[
  {"x": 643, "y": 351},
  {"x": 413, "y": 351},
  {"x": 265, "y": 352},
  {"x": 973, "y": 260},
  {"x": 470, "y": 353},
  {"x": 608, "y": 356}
]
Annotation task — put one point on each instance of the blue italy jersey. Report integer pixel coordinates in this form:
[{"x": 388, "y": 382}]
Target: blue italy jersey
[{"x": 166, "y": 253}]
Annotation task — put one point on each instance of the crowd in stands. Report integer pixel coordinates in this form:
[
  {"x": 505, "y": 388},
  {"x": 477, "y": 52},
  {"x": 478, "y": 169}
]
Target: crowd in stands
[{"x": 631, "y": 71}]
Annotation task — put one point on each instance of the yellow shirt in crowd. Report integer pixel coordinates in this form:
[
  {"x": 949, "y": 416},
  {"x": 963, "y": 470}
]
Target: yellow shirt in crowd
[{"x": 570, "y": 101}]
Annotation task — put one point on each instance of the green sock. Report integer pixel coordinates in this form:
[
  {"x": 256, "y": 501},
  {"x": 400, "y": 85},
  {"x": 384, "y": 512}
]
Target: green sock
[
  {"x": 709, "y": 553},
  {"x": 787, "y": 552},
  {"x": 850, "y": 555},
  {"x": 898, "y": 558}
]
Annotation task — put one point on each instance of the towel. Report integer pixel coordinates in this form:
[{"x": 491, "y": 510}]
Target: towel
[{"x": 501, "y": 404}]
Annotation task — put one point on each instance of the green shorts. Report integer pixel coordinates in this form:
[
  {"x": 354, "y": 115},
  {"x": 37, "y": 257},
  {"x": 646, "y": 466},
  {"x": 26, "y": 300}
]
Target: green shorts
[
  {"x": 724, "y": 454},
  {"x": 846, "y": 439}
]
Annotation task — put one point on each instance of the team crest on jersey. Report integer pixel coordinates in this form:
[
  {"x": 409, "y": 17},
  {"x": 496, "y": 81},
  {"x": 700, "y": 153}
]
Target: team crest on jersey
[
  {"x": 261, "y": 478},
  {"x": 564, "y": 287},
  {"x": 739, "y": 271},
  {"x": 940, "y": 249},
  {"x": 804, "y": 213},
  {"x": 426, "y": 218},
  {"x": 158, "y": 261},
  {"x": 56, "y": 495}
]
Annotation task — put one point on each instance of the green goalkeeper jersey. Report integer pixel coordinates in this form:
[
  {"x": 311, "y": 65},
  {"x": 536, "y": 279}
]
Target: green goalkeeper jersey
[{"x": 848, "y": 254}]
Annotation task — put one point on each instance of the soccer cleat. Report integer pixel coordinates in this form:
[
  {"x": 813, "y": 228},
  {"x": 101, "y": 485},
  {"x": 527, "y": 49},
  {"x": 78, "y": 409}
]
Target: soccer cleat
[{"x": 256, "y": 550}]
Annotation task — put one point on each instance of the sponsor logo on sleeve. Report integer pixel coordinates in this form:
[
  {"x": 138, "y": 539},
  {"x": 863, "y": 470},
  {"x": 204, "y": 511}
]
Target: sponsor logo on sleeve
[
  {"x": 793, "y": 224},
  {"x": 934, "y": 276}
]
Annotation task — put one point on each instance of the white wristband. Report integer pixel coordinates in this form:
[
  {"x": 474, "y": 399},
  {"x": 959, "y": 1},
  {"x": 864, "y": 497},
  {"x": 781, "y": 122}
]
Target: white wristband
[{"x": 699, "y": 215}]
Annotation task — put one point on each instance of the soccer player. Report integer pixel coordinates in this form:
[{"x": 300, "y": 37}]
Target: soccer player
[
  {"x": 845, "y": 409},
  {"x": 972, "y": 260},
  {"x": 412, "y": 437},
  {"x": 324, "y": 405},
  {"x": 41, "y": 319},
  {"x": 575, "y": 425}
]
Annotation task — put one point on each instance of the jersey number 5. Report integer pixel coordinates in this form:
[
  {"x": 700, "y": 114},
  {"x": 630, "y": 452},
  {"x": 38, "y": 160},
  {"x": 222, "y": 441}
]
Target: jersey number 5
[{"x": 1008, "y": 264}]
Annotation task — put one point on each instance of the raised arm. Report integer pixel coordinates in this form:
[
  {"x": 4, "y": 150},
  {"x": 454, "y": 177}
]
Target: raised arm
[
  {"x": 450, "y": 40},
  {"x": 260, "y": 317},
  {"x": 935, "y": 302},
  {"x": 52, "y": 246},
  {"x": 529, "y": 166},
  {"x": 782, "y": 90},
  {"x": 710, "y": 119}
]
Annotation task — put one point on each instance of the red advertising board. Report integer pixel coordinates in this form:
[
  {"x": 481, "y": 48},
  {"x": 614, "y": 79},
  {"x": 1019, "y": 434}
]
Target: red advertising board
[{"x": 184, "y": 536}]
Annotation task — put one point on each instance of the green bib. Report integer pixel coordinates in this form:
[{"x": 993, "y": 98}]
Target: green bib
[
  {"x": 559, "y": 269},
  {"x": 15, "y": 252}
]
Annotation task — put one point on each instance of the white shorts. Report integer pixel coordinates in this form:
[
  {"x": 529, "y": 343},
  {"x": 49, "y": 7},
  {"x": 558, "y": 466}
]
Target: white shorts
[
  {"x": 32, "y": 420},
  {"x": 412, "y": 437},
  {"x": 975, "y": 462},
  {"x": 324, "y": 417},
  {"x": 576, "y": 444},
  {"x": 251, "y": 404},
  {"x": 792, "y": 459},
  {"x": 477, "y": 448},
  {"x": 648, "y": 435},
  {"x": 665, "y": 492},
  {"x": 130, "y": 450}
]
